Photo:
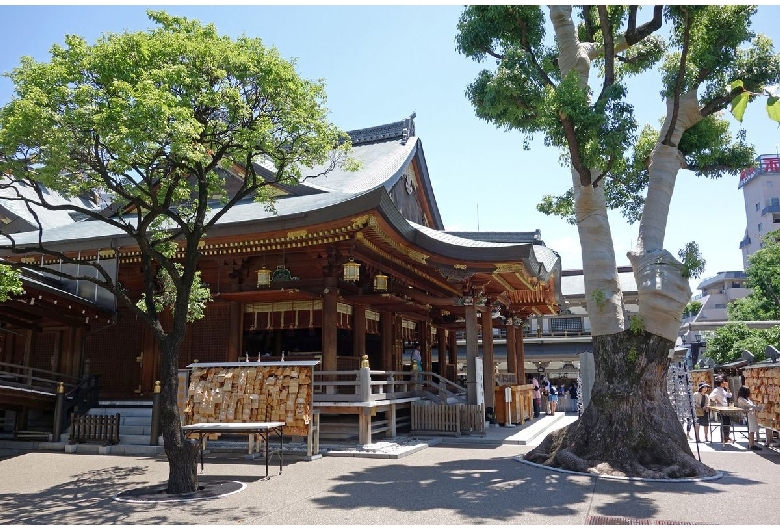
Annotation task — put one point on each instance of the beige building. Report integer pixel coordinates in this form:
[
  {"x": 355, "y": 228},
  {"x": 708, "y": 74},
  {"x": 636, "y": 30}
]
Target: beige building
[{"x": 760, "y": 187}]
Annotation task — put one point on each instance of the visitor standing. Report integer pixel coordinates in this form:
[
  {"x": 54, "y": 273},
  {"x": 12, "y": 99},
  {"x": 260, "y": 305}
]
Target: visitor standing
[
  {"x": 537, "y": 393},
  {"x": 744, "y": 402},
  {"x": 719, "y": 397},
  {"x": 416, "y": 358},
  {"x": 553, "y": 399},
  {"x": 573, "y": 395},
  {"x": 701, "y": 407}
]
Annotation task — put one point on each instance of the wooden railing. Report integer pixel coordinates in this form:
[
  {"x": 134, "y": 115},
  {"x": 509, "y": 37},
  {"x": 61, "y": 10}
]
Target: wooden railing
[
  {"x": 98, "y": 428},
  {"x": 34, "y": 378},
  {"x": 365, "y": 386}
]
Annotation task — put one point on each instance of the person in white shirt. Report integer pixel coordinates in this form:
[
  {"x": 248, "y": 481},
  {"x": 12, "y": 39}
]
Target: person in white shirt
[
  {"x": 416, "y": 358},
  {"x": 719, "y": 397},
  {"x": 744, "y": 402}
]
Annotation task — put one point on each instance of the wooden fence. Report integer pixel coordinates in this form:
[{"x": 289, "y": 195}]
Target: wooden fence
[
  {"x": 455, "y": 419},
  {"x": 94, "y": 428}
]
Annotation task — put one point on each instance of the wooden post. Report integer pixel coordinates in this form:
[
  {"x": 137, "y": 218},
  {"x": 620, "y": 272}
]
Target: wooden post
[
  {"x": 59, "y": 411},
  {"x": 511, "y": 351},
  {"x": 441, "y": 342},
  {"x": 386, "y": 321},
  {"x": 488, "y": 358},
  {"x": 330, "y": 329},
  {"x": 236, "y": 336},
  {"x": 520, "y": 354},
  {"x": 359, "y": 330},
  {"x": 155, "y": 429},
  {"x": 471, "y": 353},
  {"x": 424, "y": 337},
  {"x": 452, "y": 338}
]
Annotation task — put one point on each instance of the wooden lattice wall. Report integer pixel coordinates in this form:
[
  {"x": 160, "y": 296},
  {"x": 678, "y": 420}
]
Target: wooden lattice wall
[{"x": 764, "y": 385}]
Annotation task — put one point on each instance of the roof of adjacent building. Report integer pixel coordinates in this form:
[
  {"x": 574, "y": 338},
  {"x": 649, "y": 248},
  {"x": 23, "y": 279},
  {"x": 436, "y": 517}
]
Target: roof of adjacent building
[
  {"x": 573, "y": 282},
  {"x": 721, "y": 277}
]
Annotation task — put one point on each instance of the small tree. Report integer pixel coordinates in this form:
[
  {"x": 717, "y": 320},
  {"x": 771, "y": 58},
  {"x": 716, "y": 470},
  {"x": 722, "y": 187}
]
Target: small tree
[
  {"x": 545, "y": 88},
  {"x": 154, "y": 119}
]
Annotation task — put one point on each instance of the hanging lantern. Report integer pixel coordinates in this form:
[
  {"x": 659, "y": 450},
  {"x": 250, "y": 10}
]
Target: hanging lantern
[
  {"x": 263, "y": 277},
  {"x": 380, "y": 282},
  {"x": 351, "y": 270}
]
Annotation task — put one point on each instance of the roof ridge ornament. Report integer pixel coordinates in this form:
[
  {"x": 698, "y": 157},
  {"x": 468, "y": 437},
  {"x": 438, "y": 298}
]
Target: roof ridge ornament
[{"x": 402, "y": 130}]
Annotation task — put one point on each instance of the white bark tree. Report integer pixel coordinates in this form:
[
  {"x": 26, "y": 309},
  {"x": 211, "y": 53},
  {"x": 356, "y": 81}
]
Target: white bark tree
[{"x": 629, "y": 427}]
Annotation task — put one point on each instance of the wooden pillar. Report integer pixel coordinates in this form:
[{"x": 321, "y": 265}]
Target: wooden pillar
[
  {"x": 520, "y": 354},
  {"x": 29, "y": 347},
  {"x": 452, "y": 337},
  {"x": 511, "y": 356},
  {"x": 488, "y": 358},
  {"x": 358, "y": 330},
  {"x": 386, "y": 321},
  {"x": 398, "y": 343},
  {"x": 424, "y": 336},
  {"x": 235, "y": 348},
  {"x": 472, "y": 349},
  {"x": 329, "y": 326},
  {"x": 78, "y": 346},
  {"x": 441, "y": 343}
]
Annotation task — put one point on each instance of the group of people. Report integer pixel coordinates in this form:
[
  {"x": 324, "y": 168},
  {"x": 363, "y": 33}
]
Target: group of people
[
  {"x": 542, "y": 388},
  {"x": 704, "y": 400}
]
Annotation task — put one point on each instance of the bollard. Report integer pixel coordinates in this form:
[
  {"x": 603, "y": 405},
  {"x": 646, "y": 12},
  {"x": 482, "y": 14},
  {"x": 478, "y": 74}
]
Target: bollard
[
  {"x": 59, "y": 411},
  {"x": 155, "y": 431}
]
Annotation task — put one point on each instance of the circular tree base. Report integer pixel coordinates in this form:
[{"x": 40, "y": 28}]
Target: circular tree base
[
  {"x": 718, "y": 475},
  {"x": 155, "y": 494}
]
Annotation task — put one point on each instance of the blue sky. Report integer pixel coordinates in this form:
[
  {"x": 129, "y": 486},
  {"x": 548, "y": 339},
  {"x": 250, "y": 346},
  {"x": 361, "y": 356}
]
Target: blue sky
[{"x": 381, "y": 63}]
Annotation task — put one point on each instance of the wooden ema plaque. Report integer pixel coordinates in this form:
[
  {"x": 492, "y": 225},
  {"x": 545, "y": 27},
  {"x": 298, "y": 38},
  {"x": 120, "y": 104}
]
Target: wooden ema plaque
[
  {"x": 764, "y": 385},
  {"x": 251, "y": 392}
]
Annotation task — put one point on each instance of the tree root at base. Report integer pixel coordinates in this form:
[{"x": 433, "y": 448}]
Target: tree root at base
[{"x": 559, "y": 450}]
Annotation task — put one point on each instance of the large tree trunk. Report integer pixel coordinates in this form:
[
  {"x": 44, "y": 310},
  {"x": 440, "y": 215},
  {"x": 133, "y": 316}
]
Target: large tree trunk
[
  {"x": 181, "y": 452},
  {"x": 630, "y": 428}
]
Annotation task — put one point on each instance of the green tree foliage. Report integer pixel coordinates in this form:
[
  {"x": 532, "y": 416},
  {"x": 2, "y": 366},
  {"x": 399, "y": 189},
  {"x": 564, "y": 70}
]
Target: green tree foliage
[
  {"x": 153, "y": 119},
  {"x": 728, "y": 342},
  {"x": 763, "y": 272},
  {"x": 10, "y": 283},
  {"x": 524, "y": 91},
  {"x": 761, "y": 304},
  {"x": 692, "y": 309}
]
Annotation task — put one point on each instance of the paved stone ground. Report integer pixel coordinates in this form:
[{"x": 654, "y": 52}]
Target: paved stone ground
[{"x": 448, "y": 483}]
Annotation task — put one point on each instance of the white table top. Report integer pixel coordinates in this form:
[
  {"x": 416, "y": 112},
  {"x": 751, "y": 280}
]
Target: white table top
[{"x": 228, "y": 427}]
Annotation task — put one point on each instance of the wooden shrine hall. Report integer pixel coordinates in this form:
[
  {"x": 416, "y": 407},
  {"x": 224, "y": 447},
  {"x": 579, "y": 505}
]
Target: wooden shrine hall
[{"x": 349, "y": 264}]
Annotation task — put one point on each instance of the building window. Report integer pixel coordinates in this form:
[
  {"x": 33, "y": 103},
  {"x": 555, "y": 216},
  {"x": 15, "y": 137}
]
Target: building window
[
  {"x": 760, "y": 226},
  {"x": 758, "y": 206},
  {"x": 774, "y": 201},
  {"x": 720, "y": 306},
  {"x": 565, "y": 324},
  {"x": 736, "y": 285}
]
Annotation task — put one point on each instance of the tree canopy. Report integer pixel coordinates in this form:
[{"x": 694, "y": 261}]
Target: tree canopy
[
  {"x": 151, "y": 120},
  {"x": 155, "y": 122},
  {"x": 525, "y": 92}
]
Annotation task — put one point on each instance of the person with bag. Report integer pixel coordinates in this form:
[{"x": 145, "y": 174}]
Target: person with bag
[
  {"x": 701, "y": 407},
  {"x": 744, "y": 402}
]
